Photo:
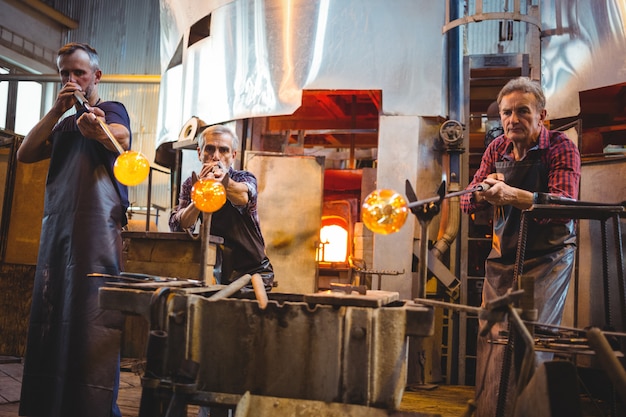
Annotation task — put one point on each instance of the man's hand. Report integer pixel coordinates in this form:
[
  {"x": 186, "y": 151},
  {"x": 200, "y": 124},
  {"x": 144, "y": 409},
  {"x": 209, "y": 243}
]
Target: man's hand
[
  {"x": 214, "y": 170},
  {"x": 89, "y": 125},
  {"x": 210, "y": 170},
  {"x": 491, "y": 180},
  {"x": 92, "y": 124},
  {"x": 66, "y": 99},
  {"x": 499, "y": 193},
  {"x": 502, "y": 194}
]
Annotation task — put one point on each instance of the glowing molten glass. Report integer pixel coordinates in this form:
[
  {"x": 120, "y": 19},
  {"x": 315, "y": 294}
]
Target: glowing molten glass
[
  {"x": 208, "y": 195},
  {"x": 131, "y": 168},
  {"x": 384, "y": 211}
]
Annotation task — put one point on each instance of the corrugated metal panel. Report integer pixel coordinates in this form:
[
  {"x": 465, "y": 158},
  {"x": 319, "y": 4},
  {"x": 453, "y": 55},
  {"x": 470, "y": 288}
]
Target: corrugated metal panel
[
  {"x": 125, "y": 31},
  {"x": 126, "y": 36},
  {"x": 497, "y": 36}
]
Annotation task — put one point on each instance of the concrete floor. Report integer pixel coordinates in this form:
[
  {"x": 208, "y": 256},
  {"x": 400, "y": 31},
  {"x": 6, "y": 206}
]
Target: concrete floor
[
  {"x": 10, "y": 379},
  {"x": 443, "y": 401}
]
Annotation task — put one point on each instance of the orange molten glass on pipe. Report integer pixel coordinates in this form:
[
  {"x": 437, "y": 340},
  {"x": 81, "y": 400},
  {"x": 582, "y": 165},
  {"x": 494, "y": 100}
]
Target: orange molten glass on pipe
[
  {"x": 208, "y": 195},
  {"x": 385, "y": 211},
  {"x": 131, "y": 167}
]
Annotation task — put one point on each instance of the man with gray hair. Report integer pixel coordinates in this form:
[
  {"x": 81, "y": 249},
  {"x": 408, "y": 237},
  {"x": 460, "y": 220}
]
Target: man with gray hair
[
  {"x": 237, "y": 221},
  {"x": 523, "y": 166}
]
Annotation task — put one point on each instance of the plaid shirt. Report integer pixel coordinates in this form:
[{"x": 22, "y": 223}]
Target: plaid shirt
[
  {"x": 558, "y": 153},
  {"x": 184, "y": 199}
]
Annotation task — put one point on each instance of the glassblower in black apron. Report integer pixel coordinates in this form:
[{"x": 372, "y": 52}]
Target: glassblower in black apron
[
  {"x": 520, "y": 165},
  {"x": 71, "y": 366},
  {"x": 238, "y": 220}
]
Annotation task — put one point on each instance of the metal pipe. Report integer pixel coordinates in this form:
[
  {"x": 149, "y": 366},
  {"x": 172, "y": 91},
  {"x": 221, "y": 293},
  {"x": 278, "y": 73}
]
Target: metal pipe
[
  {"x": 418, "y": 286},
  {"x": 450, "y": 232},
  {"x": 527, "y": 368},
  {"x": 608, "y": 361},
  {"x": 111, "y": 78},
  {"x": 453, "y": 306},
  {"x": 208, "y": 255},
  {"x": 148, "y": 204},
  {"x": 456, "y": 111},
  {"x": 479, "y": 187},
  {"x": 454, "y": 39}
]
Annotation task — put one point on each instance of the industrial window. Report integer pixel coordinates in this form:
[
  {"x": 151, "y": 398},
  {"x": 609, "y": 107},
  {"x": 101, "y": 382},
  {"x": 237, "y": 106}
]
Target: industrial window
[
  {"x": 506, "y": 30},
  {"x": 20, "y": 103},
  {"x": 200, "y": 30},
  {"x": 28, "y": 107}
]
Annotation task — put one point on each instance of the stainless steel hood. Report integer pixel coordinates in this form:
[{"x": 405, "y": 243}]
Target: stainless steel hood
[{"x": 253, "y": 58}]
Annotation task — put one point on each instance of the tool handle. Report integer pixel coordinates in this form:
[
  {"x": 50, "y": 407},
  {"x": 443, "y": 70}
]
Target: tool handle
[
  {"x": 259, "y": 290},
  {"x": 82, "y": 100},
  {"x": 482, "y": 187},
  {"x": 232, "y": 288}
]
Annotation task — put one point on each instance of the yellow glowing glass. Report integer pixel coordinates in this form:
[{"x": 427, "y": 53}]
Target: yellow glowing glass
[
  {"x": 384, "y": 211},
  {"x": 131, "y": 168},
  {"x": 208, "y": 195}
]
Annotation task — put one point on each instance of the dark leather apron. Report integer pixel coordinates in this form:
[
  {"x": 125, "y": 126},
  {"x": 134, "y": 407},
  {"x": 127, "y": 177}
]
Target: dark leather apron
[
  {"x": 73, "y": 346},
  {"x": 244, "y": 247},
  {"x": 548, "y": 260}
]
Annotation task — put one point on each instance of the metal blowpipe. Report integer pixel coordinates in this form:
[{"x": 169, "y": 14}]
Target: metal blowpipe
[
  {"x": 385, "y": 211},
  {"x": 83, "y": 102},
  {"x": 480, "y": 187},
  {"x": 130, "y": 167}
]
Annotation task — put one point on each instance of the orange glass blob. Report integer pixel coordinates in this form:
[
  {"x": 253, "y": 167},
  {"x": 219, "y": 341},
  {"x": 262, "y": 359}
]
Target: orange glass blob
[
  {"x": 384, "y": 211},
  {"x": 131, "y": 168},
  {"x": 208, "y": 195}
]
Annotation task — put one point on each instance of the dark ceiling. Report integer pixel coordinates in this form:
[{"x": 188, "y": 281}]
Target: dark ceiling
[
  {"x": 349, "y": 118},
  {"x": 333, "y": 119}
]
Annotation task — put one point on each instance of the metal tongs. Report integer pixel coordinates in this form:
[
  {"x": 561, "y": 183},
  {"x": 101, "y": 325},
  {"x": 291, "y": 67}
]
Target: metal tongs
[{"x": 139, "y": 278}]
